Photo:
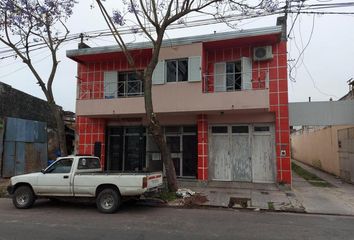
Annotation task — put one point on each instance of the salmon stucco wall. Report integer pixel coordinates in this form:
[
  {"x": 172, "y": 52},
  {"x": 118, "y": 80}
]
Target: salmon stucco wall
[{"x": 318, "y": 148}]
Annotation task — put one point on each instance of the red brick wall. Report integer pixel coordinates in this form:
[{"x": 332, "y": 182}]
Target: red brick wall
[{"x": 202, "y": 147}]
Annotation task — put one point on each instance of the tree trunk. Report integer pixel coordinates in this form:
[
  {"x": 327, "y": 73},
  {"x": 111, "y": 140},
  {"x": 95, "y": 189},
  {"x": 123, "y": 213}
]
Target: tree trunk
[
  {"x": 156, "y": 131},
  {"x": 57, "y": 113}
]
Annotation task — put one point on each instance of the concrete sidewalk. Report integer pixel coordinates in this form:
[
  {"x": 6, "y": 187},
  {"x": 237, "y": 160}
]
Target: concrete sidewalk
[
  {"x": 337, "y": 199},
  {"x": 250, "y": 196}
]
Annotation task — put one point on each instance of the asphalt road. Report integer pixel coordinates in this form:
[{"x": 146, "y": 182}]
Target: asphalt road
[{"x": 47, "y": 220}]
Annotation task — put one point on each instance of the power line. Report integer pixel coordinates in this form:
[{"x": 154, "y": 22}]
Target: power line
[{"x": 207, "y": 21}]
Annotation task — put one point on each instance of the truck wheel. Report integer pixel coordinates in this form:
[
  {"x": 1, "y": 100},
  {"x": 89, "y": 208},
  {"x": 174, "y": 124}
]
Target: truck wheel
[
  {"x": 23, "y": 197},
  {"x": 108, "y": 201}
]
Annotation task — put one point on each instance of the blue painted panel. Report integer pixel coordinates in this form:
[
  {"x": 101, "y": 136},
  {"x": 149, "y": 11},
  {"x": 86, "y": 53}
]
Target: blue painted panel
[
  {"x": 29, "y": 130},
  {"x": 20, "y": 158},
  {"x": 10, "y": 132},
  {"x": 25, "y": 147},
  {"x": 41, "y": 135},
  {"x": 8, "y": 169},
  {"x": 22, "y": 130}
]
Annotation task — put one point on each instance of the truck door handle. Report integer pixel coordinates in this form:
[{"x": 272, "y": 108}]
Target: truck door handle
[{"x": 66, "y": 176}]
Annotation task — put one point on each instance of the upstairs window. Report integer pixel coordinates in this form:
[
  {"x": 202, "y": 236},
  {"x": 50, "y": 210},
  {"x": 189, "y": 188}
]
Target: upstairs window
[
  {"x": 233, "y": 76},
  {"x": 177, "y": 70},
  {"x": 130, "y": 84},
  {"x": 123, "y": 84}
]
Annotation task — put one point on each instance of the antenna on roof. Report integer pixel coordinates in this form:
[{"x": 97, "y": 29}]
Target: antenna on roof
[{"x": 82, "y": 44}]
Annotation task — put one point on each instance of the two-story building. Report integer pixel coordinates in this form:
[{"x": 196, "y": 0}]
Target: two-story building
[{"x": 222, "y": 99}]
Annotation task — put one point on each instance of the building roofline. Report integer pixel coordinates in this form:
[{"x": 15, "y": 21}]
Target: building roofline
[{"x": 180, "y": 41}]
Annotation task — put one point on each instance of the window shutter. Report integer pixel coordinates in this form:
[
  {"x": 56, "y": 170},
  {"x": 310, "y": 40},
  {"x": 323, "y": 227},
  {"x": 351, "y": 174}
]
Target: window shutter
[
  {"x": 194, "y": 69},
  {"x": 158, "y": 76},
  {"x": 246, "y": 65},
  {"x": 110, "y": 84},
  {"x": 220, "y": 77}
]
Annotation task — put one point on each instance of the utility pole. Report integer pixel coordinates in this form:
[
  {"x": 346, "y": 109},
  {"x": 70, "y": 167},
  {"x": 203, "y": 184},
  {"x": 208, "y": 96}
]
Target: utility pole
[
  {"x": 282, "y": 21},
  {"x": 287, "y": 6}
]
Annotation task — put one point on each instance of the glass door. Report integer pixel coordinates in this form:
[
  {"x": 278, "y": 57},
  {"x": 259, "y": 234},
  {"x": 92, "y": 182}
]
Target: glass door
[
  {"x": 115, "y": 149},
  {"x": 174, "y": 143},
  {"x": 134, "y": 149}
]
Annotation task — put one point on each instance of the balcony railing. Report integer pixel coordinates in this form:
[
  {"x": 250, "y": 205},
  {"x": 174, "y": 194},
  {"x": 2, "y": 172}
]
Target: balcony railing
[
  {"x": 237, "y": 81},
  {"x": 120, "y": 89}
]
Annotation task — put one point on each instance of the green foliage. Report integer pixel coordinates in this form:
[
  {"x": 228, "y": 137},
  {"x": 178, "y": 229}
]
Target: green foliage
[
  {"x": 310, "y": 177},
  {"x": 167, "y": 196},
  {"x": 271, "y": 206}
]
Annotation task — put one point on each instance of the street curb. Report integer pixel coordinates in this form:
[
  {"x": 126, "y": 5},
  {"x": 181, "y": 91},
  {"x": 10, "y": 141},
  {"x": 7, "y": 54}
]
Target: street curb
[{"x": 246, "y": 209}]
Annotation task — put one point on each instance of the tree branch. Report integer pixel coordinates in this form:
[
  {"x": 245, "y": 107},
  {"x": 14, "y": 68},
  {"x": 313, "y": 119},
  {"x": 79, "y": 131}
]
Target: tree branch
[
  {"x": 142, "y": 26},
  {"x": 116, "y": 35}
]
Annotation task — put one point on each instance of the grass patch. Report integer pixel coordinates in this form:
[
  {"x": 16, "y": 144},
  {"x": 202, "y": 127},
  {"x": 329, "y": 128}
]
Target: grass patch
[
  {"x": 271, "y": 206},
  {"x": 310, "y": 177},
  {"x": 167, "y": 196},
  {"x": 3, "y": 192}
]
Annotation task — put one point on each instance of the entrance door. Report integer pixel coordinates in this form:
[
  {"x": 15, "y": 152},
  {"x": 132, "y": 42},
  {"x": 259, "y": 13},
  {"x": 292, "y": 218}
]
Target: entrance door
[
  {"x": 115, "y": 149},
  {"x": 183, "y": 146},
  {"x": 240, "y": 154},
  {"x": 190, "y": 155},
  {"x": 220, "y": 160},
  {"x": 234, "y": 158},
  {"x": 263, "y": 154},
  {"x": 126, "y": 149},
  {"x": 174, "y": 143},
  {"x": 134, "y": 147}
]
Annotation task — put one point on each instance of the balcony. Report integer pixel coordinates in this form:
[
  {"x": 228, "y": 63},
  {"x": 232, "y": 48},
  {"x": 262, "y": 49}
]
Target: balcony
[
  {"x": 100, "y": 90},
  {"x": 176, "y": 97},
  {"x": 236, "y": 81}
]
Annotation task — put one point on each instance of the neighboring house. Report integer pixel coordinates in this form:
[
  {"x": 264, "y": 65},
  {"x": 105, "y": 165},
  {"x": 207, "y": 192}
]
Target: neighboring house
[
  {"x": 329, "y": 148},
  {"x": 27, "y": 132},
  {"x": 222, "y": 99}
]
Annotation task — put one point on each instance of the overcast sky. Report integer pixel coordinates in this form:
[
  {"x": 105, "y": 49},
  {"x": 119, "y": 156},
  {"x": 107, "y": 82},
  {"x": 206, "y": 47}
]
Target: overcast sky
[{"x": 322, "y": 71}]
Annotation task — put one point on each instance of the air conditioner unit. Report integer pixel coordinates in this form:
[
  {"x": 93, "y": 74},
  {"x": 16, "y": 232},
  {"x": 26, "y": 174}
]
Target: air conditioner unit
[{"x": 262, "y": 53}]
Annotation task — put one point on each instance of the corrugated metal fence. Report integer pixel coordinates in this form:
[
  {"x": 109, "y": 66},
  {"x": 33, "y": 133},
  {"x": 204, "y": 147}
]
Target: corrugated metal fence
[{"x": 25, "y": 147}]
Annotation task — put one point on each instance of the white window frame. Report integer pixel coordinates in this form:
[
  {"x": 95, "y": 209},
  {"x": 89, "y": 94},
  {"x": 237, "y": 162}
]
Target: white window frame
[{"x": 176, "y": 60}]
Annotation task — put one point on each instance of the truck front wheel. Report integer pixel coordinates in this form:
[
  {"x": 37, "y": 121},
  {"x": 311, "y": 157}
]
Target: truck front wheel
[
  {"x": 108, "y": 201},
  {"x": 23, "y": 197}
]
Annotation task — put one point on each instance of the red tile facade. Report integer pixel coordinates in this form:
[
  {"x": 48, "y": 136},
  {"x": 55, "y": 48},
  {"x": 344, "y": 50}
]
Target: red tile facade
[
  {"x": 276, "y": 69},
  {"x": 89, "y": 131},
  {"x": 278, "y": 101},
  {"x": 202, "y": 147},
  {"x": 90, "y": 85},
  {"x": 90, "y": 75}
]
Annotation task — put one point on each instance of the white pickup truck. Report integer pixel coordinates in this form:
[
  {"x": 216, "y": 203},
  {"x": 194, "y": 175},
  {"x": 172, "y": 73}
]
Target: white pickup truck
[{"x": 81, "y": 177}]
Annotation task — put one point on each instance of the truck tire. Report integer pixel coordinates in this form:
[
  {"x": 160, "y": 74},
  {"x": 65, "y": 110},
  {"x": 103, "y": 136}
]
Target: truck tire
[
  {"x": 23, "y": 197},
  {"x": 108, "y": 200}
]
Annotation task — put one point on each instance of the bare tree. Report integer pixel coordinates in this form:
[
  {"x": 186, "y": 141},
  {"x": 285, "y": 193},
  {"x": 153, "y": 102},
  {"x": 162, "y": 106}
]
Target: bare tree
[
  {"x": 153, "y": 17},
  {"x": 27, "y": 25}
]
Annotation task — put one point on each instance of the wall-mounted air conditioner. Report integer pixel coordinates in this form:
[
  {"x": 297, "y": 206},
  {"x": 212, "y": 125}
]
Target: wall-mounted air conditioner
[{"x": 262, "y": 53}]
